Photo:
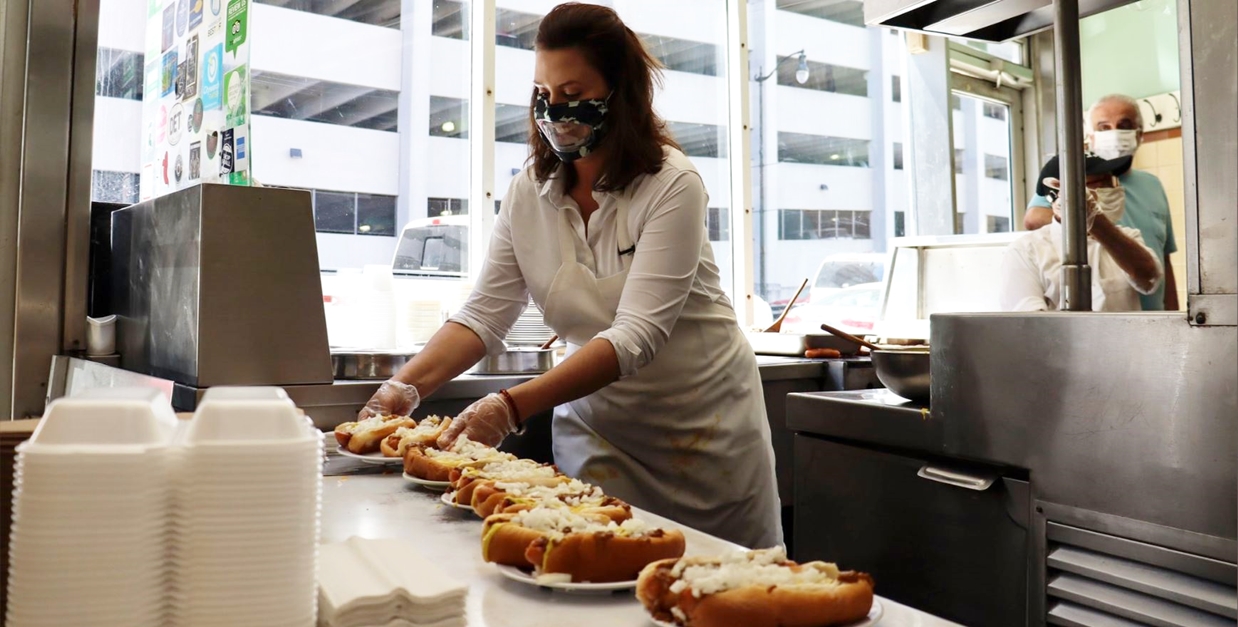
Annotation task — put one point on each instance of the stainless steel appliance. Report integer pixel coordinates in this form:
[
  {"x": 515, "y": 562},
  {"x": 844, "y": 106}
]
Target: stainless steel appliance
[
  {"x": 944, "y": 537},
  {"x": 219, "y": 285}
]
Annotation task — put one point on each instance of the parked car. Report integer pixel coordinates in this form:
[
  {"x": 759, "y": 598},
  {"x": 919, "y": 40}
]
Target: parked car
[
  {"x": 838, "y": 272},
  {"x": 433, "y": 247},
  {"x": 854, "y": 309}
]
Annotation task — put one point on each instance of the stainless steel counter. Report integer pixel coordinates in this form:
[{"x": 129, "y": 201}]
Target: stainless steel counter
[
  {"x": 384, "y": 506},
  {"x": 874, "y": 416}
]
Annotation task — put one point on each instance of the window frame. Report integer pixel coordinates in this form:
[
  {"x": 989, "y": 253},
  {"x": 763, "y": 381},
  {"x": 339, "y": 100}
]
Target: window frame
[{"x": 1012, "y": 98}]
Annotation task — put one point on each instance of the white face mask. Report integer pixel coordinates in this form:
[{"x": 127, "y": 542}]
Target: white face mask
[
  {"x": 1111, "y": 202},
  {"x": 1115, "y": 143}
]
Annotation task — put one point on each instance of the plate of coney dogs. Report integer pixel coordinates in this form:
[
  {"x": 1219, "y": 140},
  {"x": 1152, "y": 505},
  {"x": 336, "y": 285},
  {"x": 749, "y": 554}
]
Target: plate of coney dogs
[
  {"x": 385, "y": 439},
  {"x": 433, "y": 486},
  {"x": 562, "y": 581},
  {"x": 369, "y": 458},
  {"x": 760, "y": 588},
  {"x": 545, "y": 529},
  {"x": 449, "y": 499}
]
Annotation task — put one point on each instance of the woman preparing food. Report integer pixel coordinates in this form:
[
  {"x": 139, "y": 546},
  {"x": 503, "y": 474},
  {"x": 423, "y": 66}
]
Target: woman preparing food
[{"x": 659, "y": 400}]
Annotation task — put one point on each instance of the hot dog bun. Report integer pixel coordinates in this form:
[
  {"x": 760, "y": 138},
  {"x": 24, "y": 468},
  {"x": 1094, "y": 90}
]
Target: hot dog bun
[
  {"x": 757, "y": 589},
  {"x": 424, "y": 435},
  {"x": 604, "y": 556},
  {"x": 365, "y": 436},
  {"x": 589, "y": 547},
  {"x": 497, "y": 497},
  {"x": 434, "y": 465},
  {"x": 528, "y": 472}
]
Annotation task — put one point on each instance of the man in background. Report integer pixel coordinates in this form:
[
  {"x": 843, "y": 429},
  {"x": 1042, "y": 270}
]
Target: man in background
[
  {"x": 1114, "y": 128},
  {"x": 1123, "y": 268}
]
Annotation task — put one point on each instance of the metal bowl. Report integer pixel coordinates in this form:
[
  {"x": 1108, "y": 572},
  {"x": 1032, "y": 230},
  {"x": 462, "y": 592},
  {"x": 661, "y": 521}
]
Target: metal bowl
[
  {"x": 904, "y": 372},
  {"x": 518, "y": 360},
  {"x": 368, "y": 366}
]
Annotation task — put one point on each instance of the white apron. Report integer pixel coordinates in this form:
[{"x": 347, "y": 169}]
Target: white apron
[{"x": 686, "y": 437}]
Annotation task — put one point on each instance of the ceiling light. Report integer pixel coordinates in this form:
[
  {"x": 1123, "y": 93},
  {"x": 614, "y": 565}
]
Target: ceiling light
[
  {"x": 364, "y": 228},
  {"x": 801, "y": 73},
  {"x": 835, "y": 157},
  {"x": 448, "y": 126}
]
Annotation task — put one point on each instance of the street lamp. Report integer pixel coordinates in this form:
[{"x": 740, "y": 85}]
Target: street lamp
[
  {"x": 801, "y": 77},
  {"x": 801, "y": 72}
]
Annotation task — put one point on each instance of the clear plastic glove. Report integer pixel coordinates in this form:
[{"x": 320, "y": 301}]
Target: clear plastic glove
[
  {"x": 1093, "y": 204},
  {"x": 486, "y": 421},
  {"x": 393, "y": 398}
]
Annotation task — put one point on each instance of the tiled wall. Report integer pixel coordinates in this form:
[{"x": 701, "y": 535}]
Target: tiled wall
[{"x": 1164, "y": 159}]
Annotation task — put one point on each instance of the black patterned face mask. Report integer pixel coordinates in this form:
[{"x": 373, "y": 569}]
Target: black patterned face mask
[{"x": 573, "y": 129}]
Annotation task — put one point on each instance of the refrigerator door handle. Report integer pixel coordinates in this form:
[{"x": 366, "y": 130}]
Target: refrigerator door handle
[{"x": 957, "y": 479}]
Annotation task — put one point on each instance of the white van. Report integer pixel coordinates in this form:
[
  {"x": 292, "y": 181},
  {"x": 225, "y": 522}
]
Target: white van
[
  {"x": 841, "y": 271},
  {"x": 433, "y": 247}
]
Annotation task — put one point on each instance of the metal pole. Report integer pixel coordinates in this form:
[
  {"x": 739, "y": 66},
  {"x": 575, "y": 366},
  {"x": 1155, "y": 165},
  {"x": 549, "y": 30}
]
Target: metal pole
[
  {"x": 1076, "y": 274},
  {"x": 764, "y": 198}
]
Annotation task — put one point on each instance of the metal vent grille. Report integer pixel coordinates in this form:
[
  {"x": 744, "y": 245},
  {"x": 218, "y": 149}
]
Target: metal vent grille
[{"x": 1098, "y": 580}]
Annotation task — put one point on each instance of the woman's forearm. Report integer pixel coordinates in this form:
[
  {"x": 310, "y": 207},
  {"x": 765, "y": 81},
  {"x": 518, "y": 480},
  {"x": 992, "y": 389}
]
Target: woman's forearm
[
  {"x": 1134, "y": 258},
  {"x": 453, "y": 349},
  {"x": 588, "y": 370}
]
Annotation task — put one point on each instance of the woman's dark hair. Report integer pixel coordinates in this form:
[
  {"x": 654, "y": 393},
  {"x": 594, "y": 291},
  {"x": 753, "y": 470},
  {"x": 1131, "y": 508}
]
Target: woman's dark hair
[{"x": 635, "y": 134}]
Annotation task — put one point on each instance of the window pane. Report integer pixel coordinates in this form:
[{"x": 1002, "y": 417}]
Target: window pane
[
  {"x": 843, "y": 11},
  {"x": 375, "y": 214},
  {"x": 335, "y": 212},
  {"x": 982, "y": 165},
  {"x": 996, "y": 168},
  {"x": 119, "y": 74},
  {"x": 1011, "y": 51},
  {"x": 803, "y": 148},
  {"x": 386, "y": 14},
  {"x": 306, "y": 99},
  {"x": 828, "y": 154},
  {"x": 449, "y": 117},
  {"x": 451, "y": 20},
  {"x": 118, "y": 187},
  {"x": 718, "y": 225}
]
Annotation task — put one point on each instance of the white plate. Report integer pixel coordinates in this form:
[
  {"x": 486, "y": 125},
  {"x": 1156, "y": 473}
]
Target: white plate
[
  {"x": 372, "y": 458},
  {"x": 874, "y": 615},
  {"x": 515, "y": 574},
  {"x": 436, "y": 486},
  {"x": 446, "y": 499}
]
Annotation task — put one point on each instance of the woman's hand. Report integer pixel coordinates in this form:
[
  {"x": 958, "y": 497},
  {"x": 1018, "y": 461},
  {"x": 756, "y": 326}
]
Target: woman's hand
[
  {"x": 393, "y": 398},
  {"x": 486, "y": 421}
]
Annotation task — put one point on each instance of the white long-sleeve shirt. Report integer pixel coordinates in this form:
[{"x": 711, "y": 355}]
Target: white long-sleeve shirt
[
  {"x": 673, "y": 258},
  {"x": 1032, "y": 273}
]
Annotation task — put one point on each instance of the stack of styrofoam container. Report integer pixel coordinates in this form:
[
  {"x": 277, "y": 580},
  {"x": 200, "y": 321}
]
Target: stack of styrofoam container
[
  {"x": 247, "y": 510},
  {"x": 91, "y": 525}
]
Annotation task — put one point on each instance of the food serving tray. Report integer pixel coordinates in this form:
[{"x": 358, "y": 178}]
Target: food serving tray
[{"x": 794, "y": 344}]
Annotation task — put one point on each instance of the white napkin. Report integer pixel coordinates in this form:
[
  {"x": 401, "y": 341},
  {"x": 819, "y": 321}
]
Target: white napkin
[{"x": 385, "y": 581}]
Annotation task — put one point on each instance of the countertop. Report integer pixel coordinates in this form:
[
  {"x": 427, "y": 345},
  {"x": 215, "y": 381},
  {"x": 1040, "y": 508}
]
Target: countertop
[
  {"x": 374, "y": 505},
  {"x": 874, "y": 416}
]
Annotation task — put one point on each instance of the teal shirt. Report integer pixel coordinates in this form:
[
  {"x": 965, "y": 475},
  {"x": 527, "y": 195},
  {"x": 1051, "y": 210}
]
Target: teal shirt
[{"x": 1147, "y": 209}]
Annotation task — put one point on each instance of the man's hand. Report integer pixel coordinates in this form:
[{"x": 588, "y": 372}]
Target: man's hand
[{"x": 1092, "y": 210}]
